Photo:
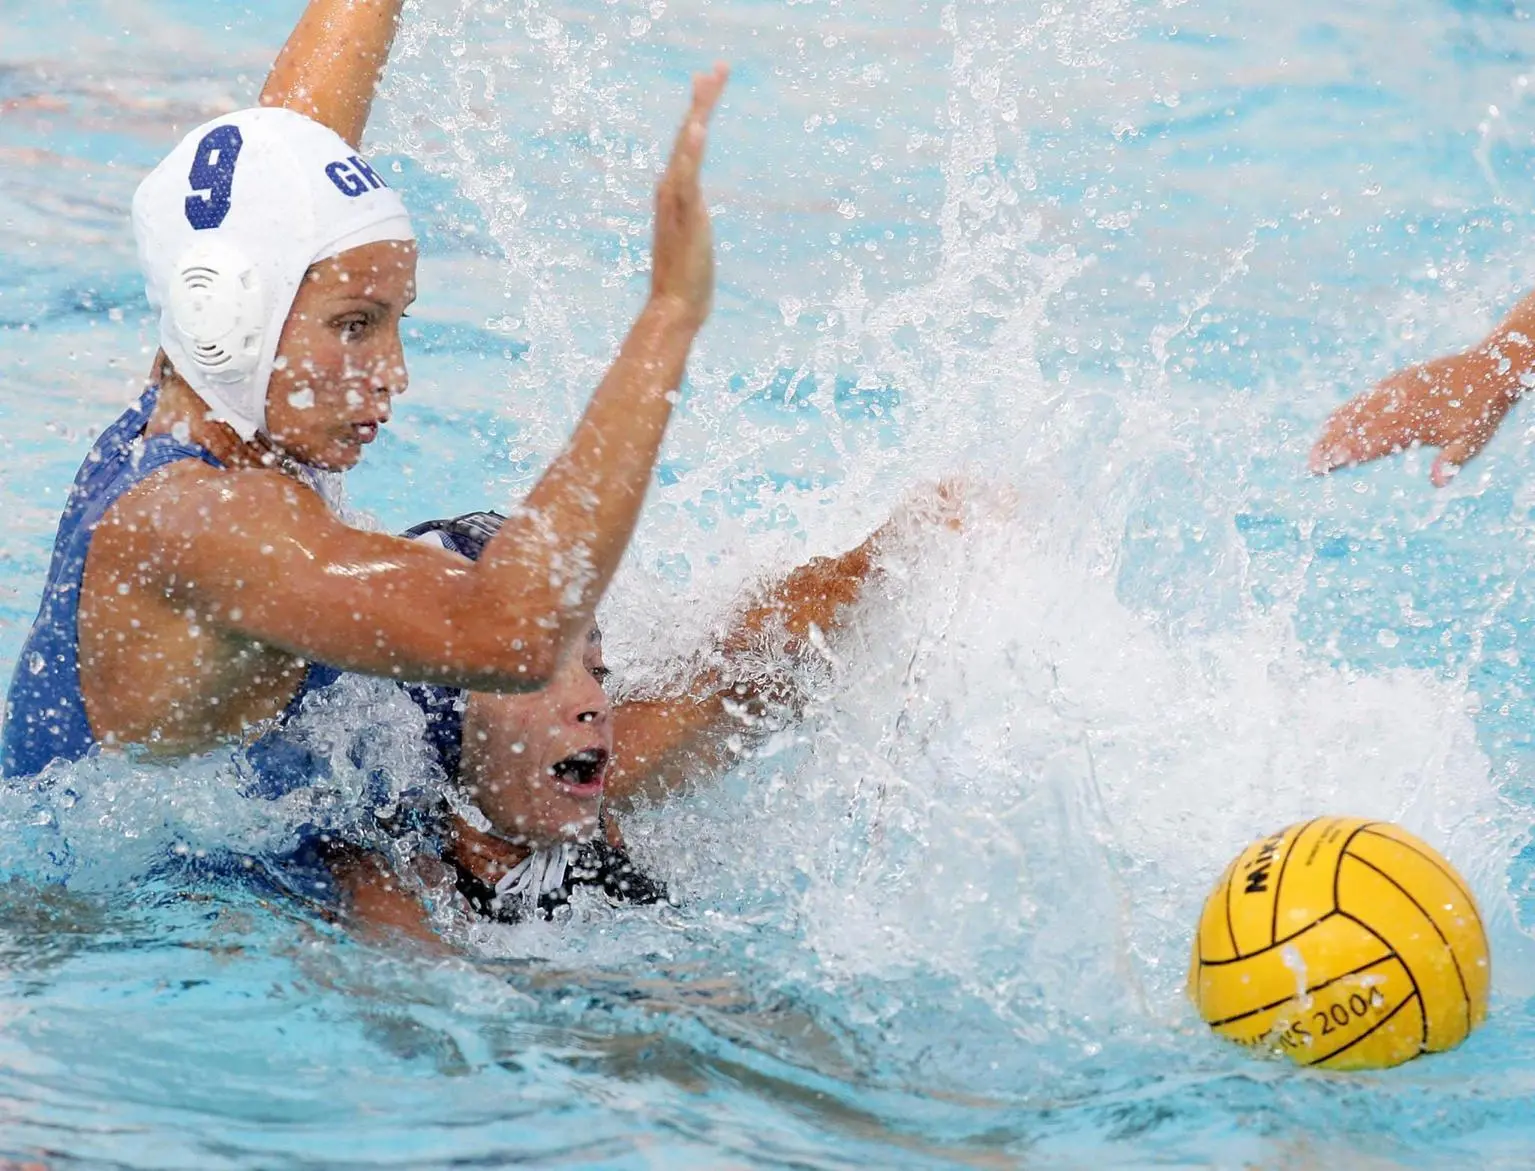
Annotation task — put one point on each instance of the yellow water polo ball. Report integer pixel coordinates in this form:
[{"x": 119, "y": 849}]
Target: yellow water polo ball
[{"x": 1343, "y": 943}]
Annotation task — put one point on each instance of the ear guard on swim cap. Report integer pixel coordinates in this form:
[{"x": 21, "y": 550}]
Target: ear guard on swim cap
[
  {"x": 227, "y": 227},
  {"x": 214, "y": 300}
]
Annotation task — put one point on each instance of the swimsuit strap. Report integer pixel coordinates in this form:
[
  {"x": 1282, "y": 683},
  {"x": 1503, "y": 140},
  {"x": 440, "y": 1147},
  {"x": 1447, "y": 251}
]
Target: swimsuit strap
[{"x": 45, "y": 718}]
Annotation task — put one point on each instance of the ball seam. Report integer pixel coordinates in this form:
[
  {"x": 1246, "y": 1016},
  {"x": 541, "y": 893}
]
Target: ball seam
[
  {"x": 1465, "y": 992},
  {"x": 1309, "y": 991},
  {"x": 1279, "y": 878},
  {"x": 1443, "y": 867}
]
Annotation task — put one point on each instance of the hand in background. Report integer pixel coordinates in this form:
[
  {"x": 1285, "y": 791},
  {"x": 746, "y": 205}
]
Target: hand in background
[{"x": 1453, "y": 403}]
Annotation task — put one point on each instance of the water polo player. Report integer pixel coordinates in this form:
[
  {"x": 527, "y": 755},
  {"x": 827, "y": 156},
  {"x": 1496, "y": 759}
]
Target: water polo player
[
  {"x": 197, "y": 574},
  {"x": 521, "y": 819}
]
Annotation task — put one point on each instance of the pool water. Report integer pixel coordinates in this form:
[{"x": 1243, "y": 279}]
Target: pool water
[{"x": 1114, "y": 261}]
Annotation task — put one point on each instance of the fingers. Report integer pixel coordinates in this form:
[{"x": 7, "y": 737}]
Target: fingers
[
  {"x": 1359, "y": 431},
  {"x": 940, "y": 505},
  {"x": 1362, "y": 431},
  {"x": 1453, "y": 403},
  {"x": 1331, "y": 450},
  {"x": 688, "y": 153},
  {"x": 1402, "y": 410},
  {"x": 707, "y": 88},
  {"x": 1445, "y": 469},
  {"x": 950, "y": 498},
  {"x": 1456, "y": 453}
]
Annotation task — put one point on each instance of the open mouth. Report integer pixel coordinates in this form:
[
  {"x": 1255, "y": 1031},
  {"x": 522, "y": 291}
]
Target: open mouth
[{"x": 581, "y": 773}]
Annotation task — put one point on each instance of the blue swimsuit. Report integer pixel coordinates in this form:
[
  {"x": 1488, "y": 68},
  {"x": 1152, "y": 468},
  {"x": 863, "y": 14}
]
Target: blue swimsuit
[
  {"x": 45, "y": 718},
  {"x": 281, "y": 763}
]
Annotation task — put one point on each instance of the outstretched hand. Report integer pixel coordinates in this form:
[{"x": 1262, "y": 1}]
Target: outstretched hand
[
  {"x": 683, "y": 272},
  {"x": 926, "y": 507},
  {"x": 948, "y": 504},
  {"x": 1453, "y": 403}
]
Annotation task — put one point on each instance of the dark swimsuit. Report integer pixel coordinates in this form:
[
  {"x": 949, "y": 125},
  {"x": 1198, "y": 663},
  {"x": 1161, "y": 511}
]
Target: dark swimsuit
[{"x": 596, "y": 864}]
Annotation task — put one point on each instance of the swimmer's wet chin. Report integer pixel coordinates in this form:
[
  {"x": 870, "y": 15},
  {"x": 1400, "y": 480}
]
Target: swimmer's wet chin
[{"x": 351, "y": 442}]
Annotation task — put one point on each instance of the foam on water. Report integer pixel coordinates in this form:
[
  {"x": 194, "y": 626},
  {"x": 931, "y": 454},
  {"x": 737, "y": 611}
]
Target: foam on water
[
  {"x": 1019, "y": 783},
  {"x": 970, "y": 874}
]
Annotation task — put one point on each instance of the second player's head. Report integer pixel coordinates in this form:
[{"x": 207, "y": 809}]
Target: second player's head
[{"x": 536, "y": 764}]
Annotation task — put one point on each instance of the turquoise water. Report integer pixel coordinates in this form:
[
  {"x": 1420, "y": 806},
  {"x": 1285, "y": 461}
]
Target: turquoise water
[{"x": 1121, "y": 258}]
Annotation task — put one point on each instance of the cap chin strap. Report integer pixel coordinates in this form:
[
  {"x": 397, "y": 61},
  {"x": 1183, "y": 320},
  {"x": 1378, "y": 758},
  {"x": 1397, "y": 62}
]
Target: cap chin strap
[{"x": 541, "y": 872}]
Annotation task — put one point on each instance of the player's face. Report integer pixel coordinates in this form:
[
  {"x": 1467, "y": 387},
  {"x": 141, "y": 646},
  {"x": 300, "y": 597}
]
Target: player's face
[
  {"x": 536, "y": 763},
  {"x": 340, "y": 361}
]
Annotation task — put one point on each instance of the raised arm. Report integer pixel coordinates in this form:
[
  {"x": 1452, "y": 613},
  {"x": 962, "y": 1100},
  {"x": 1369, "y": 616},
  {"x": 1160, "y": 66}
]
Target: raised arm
[
  {"x": 330, "y": 68},
  {"x": 288, "y": 574},
  {"x": 582, "y": 513},
  {"x": 1454, "y": 403}
]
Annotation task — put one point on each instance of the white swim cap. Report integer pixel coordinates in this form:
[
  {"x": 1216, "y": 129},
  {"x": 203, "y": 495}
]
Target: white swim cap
[{"x": 228, "y": 225}]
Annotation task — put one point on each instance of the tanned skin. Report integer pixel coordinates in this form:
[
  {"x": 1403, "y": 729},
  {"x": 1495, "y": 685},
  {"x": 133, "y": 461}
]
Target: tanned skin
[
  {"x": 1454, "y": 403},
  {"x": 207, "y": 591}
]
